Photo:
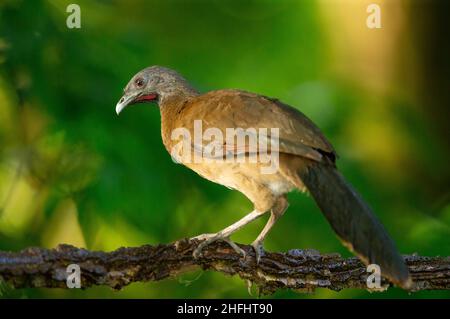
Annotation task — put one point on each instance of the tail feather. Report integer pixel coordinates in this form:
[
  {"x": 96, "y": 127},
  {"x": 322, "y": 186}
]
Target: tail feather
[{"x": 353, "y": 221}]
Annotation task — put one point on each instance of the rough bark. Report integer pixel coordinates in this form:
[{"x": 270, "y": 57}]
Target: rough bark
[{"x": 302, "y": 270}]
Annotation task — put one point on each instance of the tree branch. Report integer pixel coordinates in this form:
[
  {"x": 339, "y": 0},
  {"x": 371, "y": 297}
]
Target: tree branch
[{"x": 302, "y": 270}]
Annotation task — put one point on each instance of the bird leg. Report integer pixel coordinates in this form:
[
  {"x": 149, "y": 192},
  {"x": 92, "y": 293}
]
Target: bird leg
[
  {"x": 225, "y": 234},
  {"x": 276, "y": 212},
  {"x": 258, "y": 242}
]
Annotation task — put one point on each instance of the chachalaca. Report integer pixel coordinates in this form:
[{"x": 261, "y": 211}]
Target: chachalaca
[{"x": 306, "y": 162}]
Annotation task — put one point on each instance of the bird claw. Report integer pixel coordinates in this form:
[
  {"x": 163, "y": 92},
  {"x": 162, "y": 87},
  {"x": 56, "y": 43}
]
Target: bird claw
[
  {"x": 236, "y": 248},
  {"x": 259, "y": 250},
  {"x": 210, "y": 238}
]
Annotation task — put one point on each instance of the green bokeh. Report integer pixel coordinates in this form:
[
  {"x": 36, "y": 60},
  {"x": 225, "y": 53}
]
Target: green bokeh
[{"x": 71, "y": 170}]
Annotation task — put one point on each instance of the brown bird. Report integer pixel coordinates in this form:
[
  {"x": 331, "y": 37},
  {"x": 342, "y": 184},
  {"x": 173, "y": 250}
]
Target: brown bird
[{"x": 306, "y": 161}]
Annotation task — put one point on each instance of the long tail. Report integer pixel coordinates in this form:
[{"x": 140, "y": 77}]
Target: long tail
[{"x": 353, "y": 221}]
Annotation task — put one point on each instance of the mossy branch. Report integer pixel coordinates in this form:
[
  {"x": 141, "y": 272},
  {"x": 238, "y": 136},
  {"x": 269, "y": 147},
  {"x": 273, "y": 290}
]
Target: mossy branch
[{"x": 302, "y": 270}]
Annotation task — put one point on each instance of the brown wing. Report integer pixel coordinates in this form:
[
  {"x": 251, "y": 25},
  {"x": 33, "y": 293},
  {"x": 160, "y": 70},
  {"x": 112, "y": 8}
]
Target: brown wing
[{"x": 223, "y": 109}]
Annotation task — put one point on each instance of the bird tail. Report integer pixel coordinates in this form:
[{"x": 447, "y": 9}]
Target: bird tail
[{"x": 353, "y": 221}]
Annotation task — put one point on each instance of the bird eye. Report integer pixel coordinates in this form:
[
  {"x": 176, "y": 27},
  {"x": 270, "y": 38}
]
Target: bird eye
[{"x": 139, "y": 82}]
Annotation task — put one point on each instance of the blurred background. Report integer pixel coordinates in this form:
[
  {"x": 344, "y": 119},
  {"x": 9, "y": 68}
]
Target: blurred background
[{"x": 73, "y": 172}]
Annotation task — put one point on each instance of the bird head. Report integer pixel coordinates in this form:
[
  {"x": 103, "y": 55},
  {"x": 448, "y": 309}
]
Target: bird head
[{"x": 153, "y": 84}]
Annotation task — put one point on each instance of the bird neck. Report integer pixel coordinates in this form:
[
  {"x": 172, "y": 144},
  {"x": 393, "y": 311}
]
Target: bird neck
[
  {"x": 170, "y": 103},
  {"x": 171, "y": 108},
  {"x": 176, "y": 91}
]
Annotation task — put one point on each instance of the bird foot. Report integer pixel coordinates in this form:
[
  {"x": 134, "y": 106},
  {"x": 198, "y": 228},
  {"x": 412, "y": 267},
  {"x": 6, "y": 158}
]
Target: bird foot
[
  {"x": 259, "y": 250},
  {"x": 202, "y": 237},
  {"x": 210, "y": 238}
]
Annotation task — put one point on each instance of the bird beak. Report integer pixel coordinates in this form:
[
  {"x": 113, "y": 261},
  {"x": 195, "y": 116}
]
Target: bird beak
[
  {"x": 134, "y": 98},
  {"x": 124, "y": 101}
]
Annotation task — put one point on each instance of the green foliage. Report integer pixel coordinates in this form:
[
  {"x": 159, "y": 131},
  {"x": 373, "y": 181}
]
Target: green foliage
[{"x": 72, "y": 171}]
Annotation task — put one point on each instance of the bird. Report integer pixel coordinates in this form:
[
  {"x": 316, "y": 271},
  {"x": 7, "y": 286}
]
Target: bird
[{"x": 306, "y": 162}]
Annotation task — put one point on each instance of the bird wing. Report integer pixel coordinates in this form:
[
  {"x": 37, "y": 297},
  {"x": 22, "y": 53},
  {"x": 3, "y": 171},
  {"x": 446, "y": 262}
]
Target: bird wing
[{"x": 224, "y": 109}]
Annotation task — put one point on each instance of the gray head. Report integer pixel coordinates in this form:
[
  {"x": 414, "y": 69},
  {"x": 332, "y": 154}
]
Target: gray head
[{"x": 154, "y": 84}]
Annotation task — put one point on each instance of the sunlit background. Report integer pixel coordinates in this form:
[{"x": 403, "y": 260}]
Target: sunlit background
[{"x": 73, "y": 172}]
